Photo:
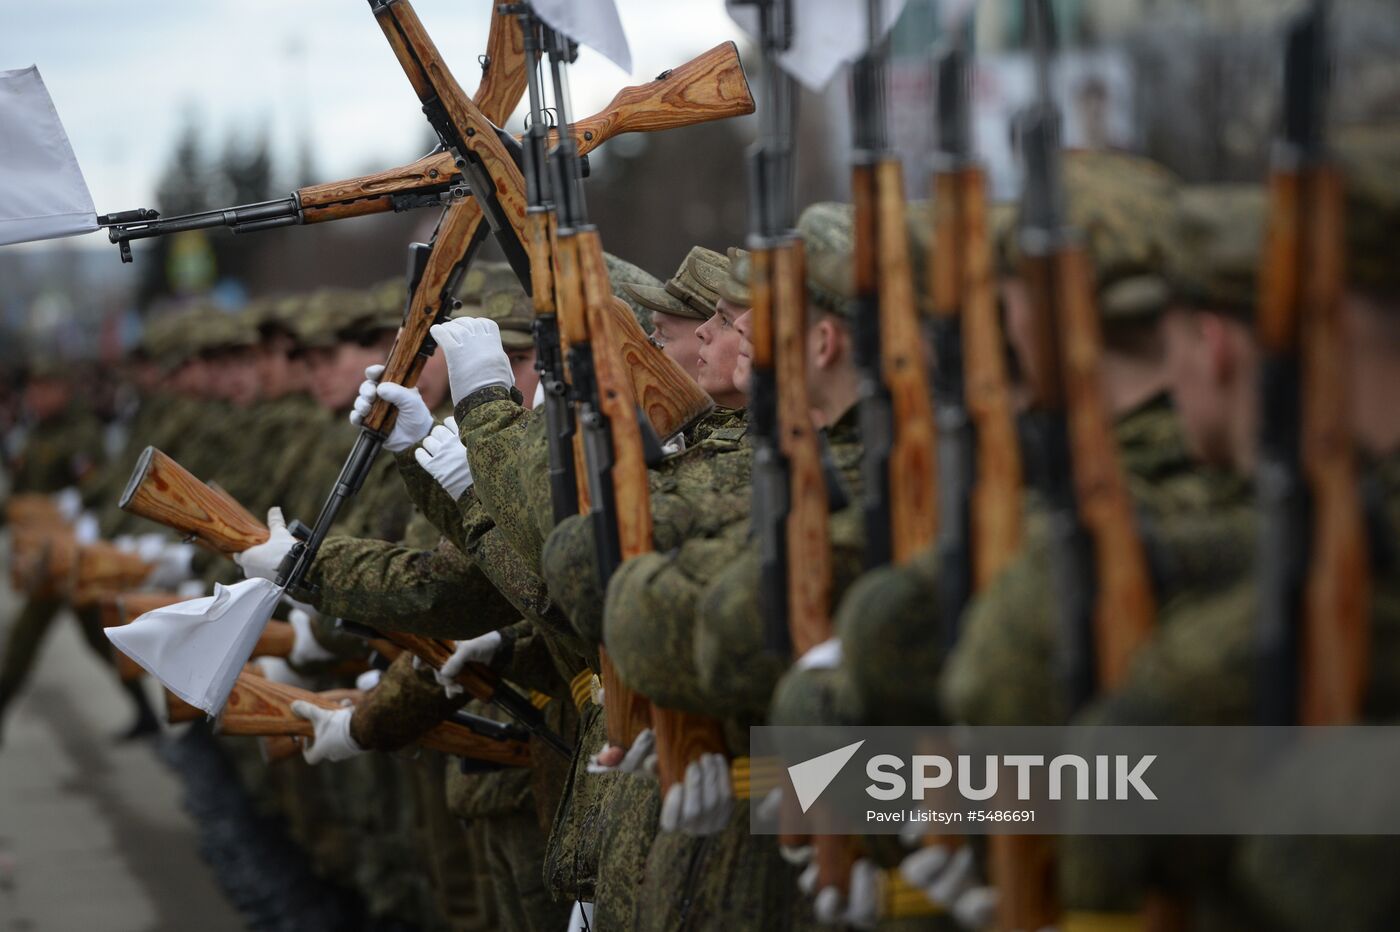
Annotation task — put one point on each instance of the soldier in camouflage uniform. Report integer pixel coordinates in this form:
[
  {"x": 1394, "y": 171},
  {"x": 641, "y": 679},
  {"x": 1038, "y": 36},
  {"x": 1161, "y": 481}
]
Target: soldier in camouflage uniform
[
  {"x": 1200, "y": 668},
  {"x": 63, "y": 450},
  {"x": 714, "y": 874}
]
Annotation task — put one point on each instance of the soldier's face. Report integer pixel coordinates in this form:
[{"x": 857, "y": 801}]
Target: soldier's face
[
  {"x": 321, "y": 372},
  {"x": 241, "y": 378},
  {"x": 274, "y": 365},
  {"x": 1210, "y": 368},
  {"x": 743, "y": 360},
  {"x": 522, "y": 365},
  {"x": 46, "y": 398},
  {"x": 676, "y": 337},
  {"x": 719, "y": 354},
  {"x": 432, "y": 381}
]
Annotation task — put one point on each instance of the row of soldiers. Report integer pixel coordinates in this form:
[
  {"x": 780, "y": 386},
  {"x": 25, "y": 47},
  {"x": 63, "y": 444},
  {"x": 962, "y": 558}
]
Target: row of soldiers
[{"x": 453, "y": 536}]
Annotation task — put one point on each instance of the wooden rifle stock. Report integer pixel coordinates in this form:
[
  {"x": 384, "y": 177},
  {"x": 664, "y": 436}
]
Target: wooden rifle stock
[
  {"x": 259, "y": 706},
  {"x": 709, "y": 87},
  {"x": 163, "y": 491},
  {"x": 32, "y": 508},
  {"x": 1299, "y": 321},
  {"x": 101, "y": 567},
  {"x": 963, "y": 286}
]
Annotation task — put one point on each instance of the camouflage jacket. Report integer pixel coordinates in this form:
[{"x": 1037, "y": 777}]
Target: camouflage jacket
[{"x": 63, "y": 451}]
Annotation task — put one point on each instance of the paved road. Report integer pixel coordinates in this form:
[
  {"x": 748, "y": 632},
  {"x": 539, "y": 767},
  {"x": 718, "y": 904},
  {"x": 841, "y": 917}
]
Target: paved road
[{"x": 93, "y": 836}]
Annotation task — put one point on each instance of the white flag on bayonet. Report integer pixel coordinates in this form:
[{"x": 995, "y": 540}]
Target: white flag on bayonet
[
  {"x": 594, "y": 23},
  {"x": 42, "y": 191},
  {"x": 826, "y": 34},
  {"x": 197, "y": 648}
]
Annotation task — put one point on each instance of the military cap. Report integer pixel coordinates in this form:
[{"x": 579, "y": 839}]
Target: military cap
[
  {"x": 484, "y": 275},
  {"x": 828, "y": 237},
  {"x": 734, "y": 287},
  {"x": 690, "y": 292},
  {"x": 211, "y": 330},
  {"x": 511, "y": 308},
  {"x": 329, "y": 314},
  {"x": 1370, "y": 157},
  {"x": 1122, "y": 205},
  {"x": 1216, "y": 241},
  {"x": 622, "y": 273}
]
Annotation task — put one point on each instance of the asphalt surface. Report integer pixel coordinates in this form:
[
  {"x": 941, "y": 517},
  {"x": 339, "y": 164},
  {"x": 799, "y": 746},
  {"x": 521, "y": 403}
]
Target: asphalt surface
[
  {"x": 98, "y": 835},
  {"x": 93, "y": 833}
]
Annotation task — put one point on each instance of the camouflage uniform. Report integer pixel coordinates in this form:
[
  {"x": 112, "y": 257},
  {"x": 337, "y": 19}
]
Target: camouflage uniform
[
  {"x": 1201, "y": 666},
  {"x": 682, "y": 628},
  {"x": 60, "y": 452}
]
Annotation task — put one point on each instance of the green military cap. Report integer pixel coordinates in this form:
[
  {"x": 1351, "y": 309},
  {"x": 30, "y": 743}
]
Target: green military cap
[
  {"x": 1217, "y": 236},
  {"x": 211, "y": 330},
  {"x": 734, "y": 287},
  {"x": 261, "y": 314},
  {"x": 1370, "y": 157},
  {"x": 510, "y": 307},
  {"x": 328, "y": 313},
  {"x": 622, "y": 273},
  {"x": 1122, "y": 205},
  {"x": 828, "y": 238},
  {"x": 688, "y": 293},
  {"x": 484, "y": 275}
]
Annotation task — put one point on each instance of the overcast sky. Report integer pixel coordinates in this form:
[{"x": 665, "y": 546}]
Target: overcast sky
[{"x": 126, "y": 75}]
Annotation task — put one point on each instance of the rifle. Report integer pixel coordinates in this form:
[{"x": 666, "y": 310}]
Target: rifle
[
  {"x": 1313, "y": 630},
  {"x": 261, "y": 707},
  {"x": 101, "y": 567},
  {"x": 979, "y": 462},
  {"x": 1103, "y": 588},
  {"x": 164, "y": 491},
  {"x": 588, "y": 316},
  {"x": 900, "y": 502},
  {"x": 484, "y": 154},
  {"x": 709, "y": 83}
]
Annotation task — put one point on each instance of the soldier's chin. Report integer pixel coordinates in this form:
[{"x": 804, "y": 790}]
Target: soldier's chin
[{"x": 743, "y": 372}]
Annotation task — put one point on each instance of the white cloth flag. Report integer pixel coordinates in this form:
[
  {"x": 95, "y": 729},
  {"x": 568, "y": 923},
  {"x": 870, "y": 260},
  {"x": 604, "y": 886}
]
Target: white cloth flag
[
  {"x": 594, "y": 23},
  {"x": 826, "y": 35},
  {"x": 197, "y": 648},
  {"x": 42, "y": 191}
]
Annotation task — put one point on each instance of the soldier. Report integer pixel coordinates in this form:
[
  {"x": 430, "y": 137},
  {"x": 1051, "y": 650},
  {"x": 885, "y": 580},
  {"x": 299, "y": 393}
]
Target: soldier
[
  {"x": 1199, "y": 669},
  {"x": 62, "y": 453}
]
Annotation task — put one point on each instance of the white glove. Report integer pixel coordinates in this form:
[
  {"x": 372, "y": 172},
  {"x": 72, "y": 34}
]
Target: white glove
[
  {"x": 191, "y": 588},
  {"x": 640, "y": 757},
  {"x": 860, "y": 908},
  {"x": 279, "y": 671},
  {"x": 263, "y": 559},
  {"x": 149, "y": 546},
  {"x": 947, "y": 878},
  {"x": 702, "y": 803},
  {"x": 823, "y": 656},
  {"x": 305, "y": 648},
  {"x": 126, "y": 543},
  {"x": 475, "y": 357},
  {"x": 414, "y": 420},
  {"x": 69, "y": 503},
  {"x": 172, "y": 565},
  {"x": 478, "y": 649},
  {"x": 445, "y": 459},
  {"x": 85, "y": 529},
  {"x": 368, "y": 680},
  {"x": 332, "y": 740}
]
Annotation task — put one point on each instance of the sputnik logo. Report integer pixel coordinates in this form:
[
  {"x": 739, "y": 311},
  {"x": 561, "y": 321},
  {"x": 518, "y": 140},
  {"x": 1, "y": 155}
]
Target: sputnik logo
[{"x": 811, "y": 777}]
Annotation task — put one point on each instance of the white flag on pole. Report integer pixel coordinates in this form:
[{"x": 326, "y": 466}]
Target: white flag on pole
[
  {"x": 594, "y": 23},
  {"x": 826, "y": 35},
  {"x": 197, "y": 648},
  {"x": 42, "y": 191}
]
